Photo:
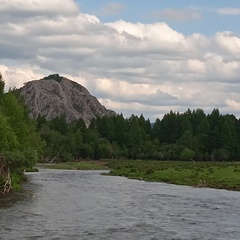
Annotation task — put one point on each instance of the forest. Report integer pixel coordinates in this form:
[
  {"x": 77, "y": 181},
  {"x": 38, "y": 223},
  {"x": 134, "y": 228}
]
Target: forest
[{"x": 189, "y": 136}]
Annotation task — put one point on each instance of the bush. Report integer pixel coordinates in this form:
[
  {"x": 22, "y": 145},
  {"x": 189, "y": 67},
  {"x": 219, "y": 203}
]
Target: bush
[{"x": 187, "y": 154}]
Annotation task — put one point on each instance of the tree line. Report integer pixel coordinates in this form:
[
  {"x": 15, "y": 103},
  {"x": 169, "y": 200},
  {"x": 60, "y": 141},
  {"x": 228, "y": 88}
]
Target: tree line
[{"x": 191, "y": 136}]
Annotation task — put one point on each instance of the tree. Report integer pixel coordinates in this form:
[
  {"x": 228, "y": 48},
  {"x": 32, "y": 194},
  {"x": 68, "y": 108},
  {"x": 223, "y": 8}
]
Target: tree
[
  {"x": 185, "y": 123},
  {"x": 186, "y": 140},
  {"x": 40, "y": 121},
  {"x": 214, "y": 139},
  {"x": 170, "y": 128},
  {"x": 120, "y": 130},
  {"x": 135, "y": 138},
  {"x": 59, "y": 124},
  {"x": 228, "y": 135},
  {"x": 78, "y": 141},
  {"x": 197, "y": 117},
  {"x": 14, "y": 111},
  {"x": 156, "y": 129},
  {"x": 2, "y": 85},
  {"x": 220, "y": 155},
  {"x": 202, "y": 132},
  {"x": 20, "y": 145},
  {"x": 8, "y": 139},
  {"x": 105, "y": 127},
  {"x": 187, "y": 154},
  {"x": 78, "y": 125}
]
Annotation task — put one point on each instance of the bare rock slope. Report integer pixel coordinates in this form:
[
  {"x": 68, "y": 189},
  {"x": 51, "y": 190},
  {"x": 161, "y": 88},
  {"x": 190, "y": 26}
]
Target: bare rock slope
[{"x": 54, "y": 96}]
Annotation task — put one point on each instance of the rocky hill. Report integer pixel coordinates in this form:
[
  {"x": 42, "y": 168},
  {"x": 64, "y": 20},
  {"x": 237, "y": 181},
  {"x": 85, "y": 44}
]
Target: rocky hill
[{"x": 54, "y": 96}]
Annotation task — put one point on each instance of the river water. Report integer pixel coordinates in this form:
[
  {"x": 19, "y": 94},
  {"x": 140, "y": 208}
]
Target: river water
[{"x": 79, "y": 205}]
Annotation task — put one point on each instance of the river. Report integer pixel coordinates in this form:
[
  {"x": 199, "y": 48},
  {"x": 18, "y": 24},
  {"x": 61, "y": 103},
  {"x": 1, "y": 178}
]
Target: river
[{"x": 85, "y": 205}]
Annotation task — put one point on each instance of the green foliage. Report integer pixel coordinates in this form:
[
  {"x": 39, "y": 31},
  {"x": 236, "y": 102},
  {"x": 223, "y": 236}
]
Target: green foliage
[
  {"x": 16, "y": 181},
  {"x": 20, "y": 144},
  {"x": 220, "y": 155},
  {"x": 170, "y": 130},
  {"x": 59, "y": 124},
  {"x": 2, "y": 85},
  {"x": 79, "y": 165},
  {"x": 8, "y": 138},
  {"x": 55, "y": 77},
  {"x": 135, "y": 138},
  {"x": 189, "y": 135},
  {"x": 198, "y": 174},
  {"x": 192, "y": 135},
  {"x": 186, "y": 140},
  {"x": 187, "y": 154}
]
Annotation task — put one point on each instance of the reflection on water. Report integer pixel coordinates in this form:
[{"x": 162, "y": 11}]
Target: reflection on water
[{"x": 57, "y": 204}]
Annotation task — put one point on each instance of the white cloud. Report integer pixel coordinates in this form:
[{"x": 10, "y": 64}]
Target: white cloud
[
  {"x": 229, "y": 43},
  {"x": 33, "y": 7},
  {"x": 233, "y": 104},
  {"x": 228, "y": 11},
  {"x": 154, "y": 32},
  {"x": 17, "y": 76},
  {"x": 132, "y": 67}
]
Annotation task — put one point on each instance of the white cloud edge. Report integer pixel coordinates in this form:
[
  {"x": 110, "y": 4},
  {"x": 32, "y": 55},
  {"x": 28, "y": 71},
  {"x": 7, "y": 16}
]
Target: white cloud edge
[{"x": 228, "y": 11}]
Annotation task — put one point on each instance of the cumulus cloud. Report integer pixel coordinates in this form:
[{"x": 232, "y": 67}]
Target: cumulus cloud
[
  {"x": 229, "y": 43},
  {"x": 26, "y": 8},
  {"x": 132, "y": 67},
  {"x": 15, "y": 77}
]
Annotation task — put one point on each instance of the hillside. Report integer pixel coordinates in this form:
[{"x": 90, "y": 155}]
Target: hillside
[{"x": 55, "y": 95}]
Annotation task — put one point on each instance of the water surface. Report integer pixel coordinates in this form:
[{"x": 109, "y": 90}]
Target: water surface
[{"x": 61, "y": 204}]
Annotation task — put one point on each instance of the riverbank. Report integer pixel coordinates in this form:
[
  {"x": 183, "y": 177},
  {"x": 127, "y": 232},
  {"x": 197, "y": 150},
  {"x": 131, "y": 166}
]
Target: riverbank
[
  {"x": 219, "y": 175},
  {"x": 80, "y": 165}
]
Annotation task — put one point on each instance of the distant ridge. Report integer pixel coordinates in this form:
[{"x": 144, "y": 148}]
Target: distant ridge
[{"x": 55, "y": 95}]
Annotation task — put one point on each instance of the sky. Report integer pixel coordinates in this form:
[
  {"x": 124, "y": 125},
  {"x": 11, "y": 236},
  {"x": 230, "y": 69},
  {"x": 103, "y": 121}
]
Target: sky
[{"x": 136, "y": 57}]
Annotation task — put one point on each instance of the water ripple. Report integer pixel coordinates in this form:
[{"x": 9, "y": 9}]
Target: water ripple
[{"x": 57, "y": 204}]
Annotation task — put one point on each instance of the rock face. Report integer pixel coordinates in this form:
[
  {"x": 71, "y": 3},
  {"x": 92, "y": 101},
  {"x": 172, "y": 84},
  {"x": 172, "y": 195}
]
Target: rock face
[{"x": 54, "y": 96}]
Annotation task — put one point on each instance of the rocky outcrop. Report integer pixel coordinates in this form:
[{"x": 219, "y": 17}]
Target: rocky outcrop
[{"x": 55, "y": 96}]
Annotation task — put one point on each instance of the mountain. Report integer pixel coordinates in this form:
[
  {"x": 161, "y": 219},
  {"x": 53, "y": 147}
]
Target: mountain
[{"x": 55, "y": 96}]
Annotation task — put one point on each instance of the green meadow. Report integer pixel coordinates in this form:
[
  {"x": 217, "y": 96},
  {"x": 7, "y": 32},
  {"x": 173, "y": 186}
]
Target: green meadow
[{"x": 198, "y": 174}]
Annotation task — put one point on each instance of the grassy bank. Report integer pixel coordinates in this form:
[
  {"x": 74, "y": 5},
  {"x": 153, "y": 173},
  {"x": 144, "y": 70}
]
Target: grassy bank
[
  {"x": 81, "y": 165},
  {"x": 198, "y": 174},
  {"x": 222, "y": 175}
]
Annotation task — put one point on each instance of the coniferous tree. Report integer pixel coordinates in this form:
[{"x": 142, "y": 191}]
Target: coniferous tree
[
  {"x": 135, "y": 138},
  {"x": 2, "y": 85},
  {"x": 120, "y": 130},
  {"x": 170, "y": 128},
  {"x": 228, "y": 135}
]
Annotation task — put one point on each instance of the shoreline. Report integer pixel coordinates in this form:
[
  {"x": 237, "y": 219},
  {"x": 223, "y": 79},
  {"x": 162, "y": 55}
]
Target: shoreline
[{"x": 218, "y": 175}]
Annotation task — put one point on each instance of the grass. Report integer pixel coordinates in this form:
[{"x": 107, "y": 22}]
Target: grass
[
  {"x": 81, "y": 165},
  {"x": 222, "y": 175},
  {"x": 198, "y": 174}
]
